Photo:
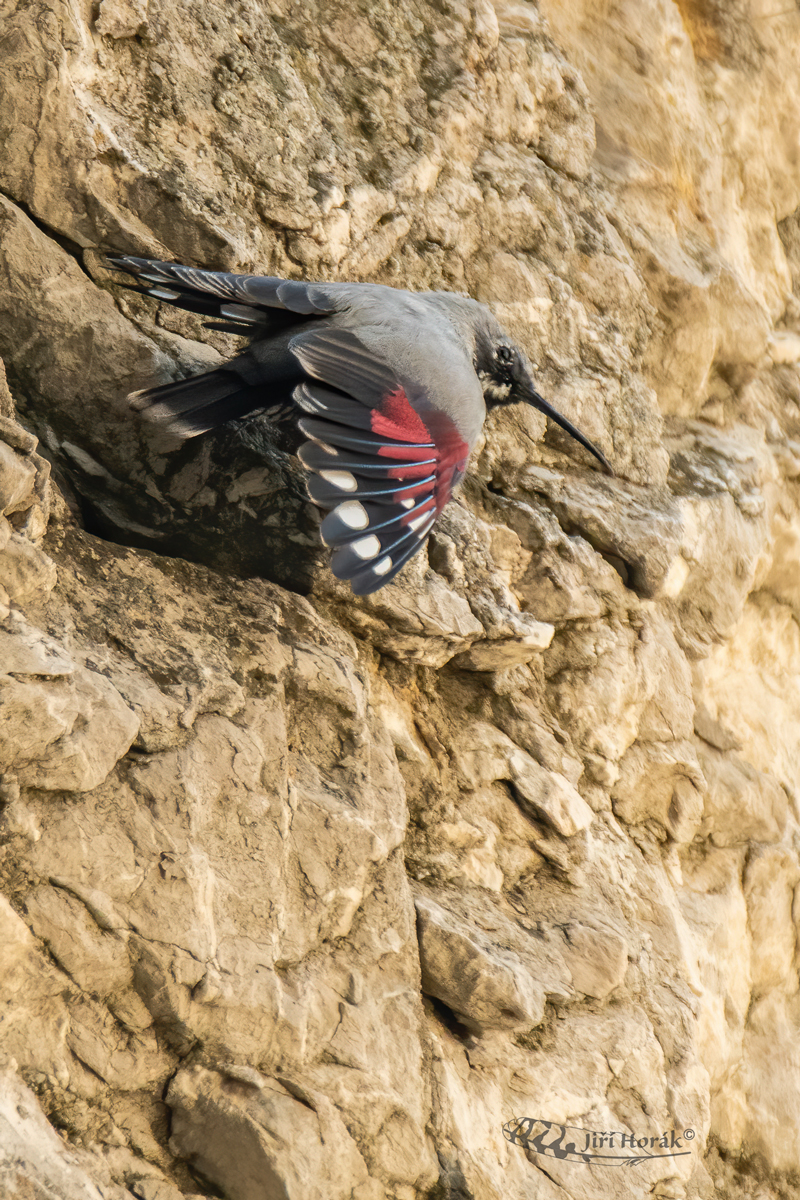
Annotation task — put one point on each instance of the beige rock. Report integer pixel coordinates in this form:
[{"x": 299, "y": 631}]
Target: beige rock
[
  {"x": 740, "y": 682},
  {"x": 125, "y": 1059},
  {"x": 11, "y": 432},
  {"x": 64, "y": 731},
  {"x": 482, "y": 755},
  {"x": 7, "y": 412},
  {"x": 95, "y": 958},
  {"x": 122, "y": 18},
  {"x": 742, "y": 803},
  {"x": 17, "y": 477},
  {"x": 487, "y": 988},
  {"x": 597, "y": 959},
  {"x": 548, "y": 796},
  {"x": 769, "y": 883},
  {"x": 497, "y": 655},
  {"x": 772, "y": 1023},
  {"x": 33, "y": 993},
  {"x": 246, "y": 1139},
  {"x": 26, "y": 573},
  {"x": 568, "y": 730},
  {"x": 34, "y": 1160},
  {"x": 661, "y": 782},
  {"x": 26, "y": 650}
]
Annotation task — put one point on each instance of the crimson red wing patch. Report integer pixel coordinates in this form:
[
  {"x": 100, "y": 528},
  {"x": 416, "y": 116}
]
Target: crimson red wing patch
[
  {"x": 395, "y": 418},
  {"x": 385, "y": 481}
]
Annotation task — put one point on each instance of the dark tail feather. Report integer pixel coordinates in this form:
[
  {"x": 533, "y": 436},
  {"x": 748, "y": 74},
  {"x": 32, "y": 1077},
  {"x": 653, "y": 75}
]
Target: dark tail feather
[
  {"x": 203, "y": 402},
  {"x": 185, "y": 395},
  {"x": 229, "y": 327}
]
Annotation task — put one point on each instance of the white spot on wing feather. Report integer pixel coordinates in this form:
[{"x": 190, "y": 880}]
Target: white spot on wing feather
[
  {"x": 342, "y": 480},
  {"x": 366, "y": 547},
  {"x": 352, "y": 514},
  {"x": 420, "y": 520}
]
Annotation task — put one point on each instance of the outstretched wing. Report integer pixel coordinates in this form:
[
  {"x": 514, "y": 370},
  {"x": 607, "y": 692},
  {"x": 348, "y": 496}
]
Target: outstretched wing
[{"x": 381, "y": 455}]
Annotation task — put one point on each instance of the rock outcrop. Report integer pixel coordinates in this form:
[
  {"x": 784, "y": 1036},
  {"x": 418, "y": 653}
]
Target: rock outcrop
[{"x": 303, "y": 896}]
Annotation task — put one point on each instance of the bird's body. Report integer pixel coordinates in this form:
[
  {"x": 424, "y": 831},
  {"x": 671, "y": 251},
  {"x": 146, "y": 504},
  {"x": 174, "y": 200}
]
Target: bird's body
[{"x": 390, "y": 388}]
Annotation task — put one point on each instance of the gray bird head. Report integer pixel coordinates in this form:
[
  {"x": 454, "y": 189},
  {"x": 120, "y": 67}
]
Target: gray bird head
[{"x": 502, "y": 368}]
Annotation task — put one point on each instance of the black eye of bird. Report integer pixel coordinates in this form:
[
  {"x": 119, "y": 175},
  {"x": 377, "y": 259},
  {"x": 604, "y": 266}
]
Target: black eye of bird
[{"x": 504, "y": 354}]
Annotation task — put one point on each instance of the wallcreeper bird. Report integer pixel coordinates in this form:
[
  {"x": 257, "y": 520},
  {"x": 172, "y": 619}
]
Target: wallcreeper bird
[{"x": 391, "y": 389}]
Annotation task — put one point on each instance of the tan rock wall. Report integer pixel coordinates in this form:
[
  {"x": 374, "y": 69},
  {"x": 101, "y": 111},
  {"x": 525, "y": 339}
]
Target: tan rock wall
[{"x": 303, "y": 896}]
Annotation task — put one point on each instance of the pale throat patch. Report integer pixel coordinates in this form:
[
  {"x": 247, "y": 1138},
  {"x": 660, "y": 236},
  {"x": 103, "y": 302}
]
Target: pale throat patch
[{"x": 492, "y": 389}]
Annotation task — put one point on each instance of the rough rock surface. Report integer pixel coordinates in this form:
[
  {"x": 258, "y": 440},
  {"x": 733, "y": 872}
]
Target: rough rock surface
[{"x": 302, "y": 896}]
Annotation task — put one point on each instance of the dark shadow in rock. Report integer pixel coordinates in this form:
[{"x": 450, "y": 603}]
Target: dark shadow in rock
[{"x": 234, "y": 500}]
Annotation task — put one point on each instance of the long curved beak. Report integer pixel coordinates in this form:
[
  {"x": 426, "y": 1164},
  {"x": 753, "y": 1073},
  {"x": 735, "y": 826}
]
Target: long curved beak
[{"x": 539, "y": 402}]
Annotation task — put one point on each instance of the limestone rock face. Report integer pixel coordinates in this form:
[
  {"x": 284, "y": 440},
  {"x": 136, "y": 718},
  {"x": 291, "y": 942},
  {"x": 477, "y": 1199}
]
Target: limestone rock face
[{"x": 307, "y": 896}]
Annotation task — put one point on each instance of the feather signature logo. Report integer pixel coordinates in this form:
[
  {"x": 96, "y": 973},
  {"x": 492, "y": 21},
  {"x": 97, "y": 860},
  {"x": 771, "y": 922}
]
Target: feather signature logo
[{"x": 603, "y": 1148}]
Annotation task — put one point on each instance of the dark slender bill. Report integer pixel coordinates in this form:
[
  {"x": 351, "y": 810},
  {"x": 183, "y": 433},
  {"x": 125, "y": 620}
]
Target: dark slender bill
[{"x": 539, "y": 402}]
